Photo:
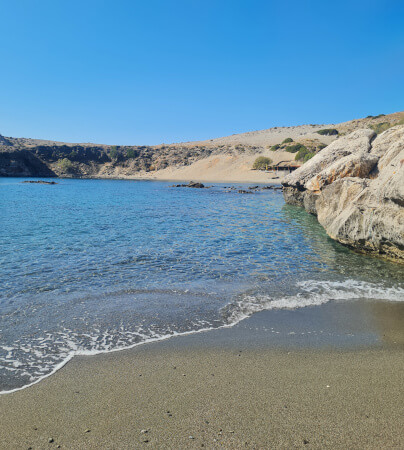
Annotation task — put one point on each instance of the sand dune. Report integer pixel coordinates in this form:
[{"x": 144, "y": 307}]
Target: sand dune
[{"x": 225, "y": 168}]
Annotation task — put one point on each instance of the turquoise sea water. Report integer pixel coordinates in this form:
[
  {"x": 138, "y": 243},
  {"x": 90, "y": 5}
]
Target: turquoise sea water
[{"x": 98, "y": 265}]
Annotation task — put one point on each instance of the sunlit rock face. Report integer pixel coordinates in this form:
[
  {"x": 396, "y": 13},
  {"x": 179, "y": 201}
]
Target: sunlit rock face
[{"x": 355, "y": 186}]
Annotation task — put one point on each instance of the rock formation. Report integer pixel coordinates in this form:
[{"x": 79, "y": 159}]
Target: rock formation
[
  {"x": 23, "y": 164},
  {"x": 355, "y": 186}
]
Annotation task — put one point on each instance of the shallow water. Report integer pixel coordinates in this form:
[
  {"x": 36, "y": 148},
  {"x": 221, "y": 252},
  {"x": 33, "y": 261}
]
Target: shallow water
[{"x": 98, "y": 265}]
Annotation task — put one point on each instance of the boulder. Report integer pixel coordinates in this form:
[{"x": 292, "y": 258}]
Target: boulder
[
  {"x": 357, "y": 142},
  {"x": 357, "y": 194},
  {"x": 191, "y": 184},
  {"x": 354, "y": 165}
]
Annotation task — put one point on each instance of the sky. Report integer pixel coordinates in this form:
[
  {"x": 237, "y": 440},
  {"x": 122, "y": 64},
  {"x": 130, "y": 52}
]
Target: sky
[{"x": 130, "y": 72}]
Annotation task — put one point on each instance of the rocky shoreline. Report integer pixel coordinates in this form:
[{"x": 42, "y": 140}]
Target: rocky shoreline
[{"x": 355, "y": 187}]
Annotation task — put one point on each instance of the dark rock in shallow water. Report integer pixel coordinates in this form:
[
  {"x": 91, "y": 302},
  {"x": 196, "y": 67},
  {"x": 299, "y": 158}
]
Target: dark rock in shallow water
[
  {"x": 40, "y": 182},
  {"x": 253, "y": 187},
  {"x": 191, "y": 184},
  {"x": 242, "y": 191}
]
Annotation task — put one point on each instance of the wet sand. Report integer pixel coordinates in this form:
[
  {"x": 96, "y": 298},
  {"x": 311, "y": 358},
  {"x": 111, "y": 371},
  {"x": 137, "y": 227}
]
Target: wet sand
[{"x": 319, "y": 377}]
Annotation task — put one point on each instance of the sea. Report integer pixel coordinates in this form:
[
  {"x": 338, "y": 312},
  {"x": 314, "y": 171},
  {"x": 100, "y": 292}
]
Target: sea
[{"x": 92, "y": 266}]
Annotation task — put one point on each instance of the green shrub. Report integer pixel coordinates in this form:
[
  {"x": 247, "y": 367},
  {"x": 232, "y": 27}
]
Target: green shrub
[
  {"x": 375, "y": 117},
  {"x": 287, "y": 140},
  {"x": 275, "y": 147},
  {"x": 65, "y": 165},
  {"x": 130, "y": 153},
  {"x": 321, "y": 146},
  {"x": 261, "y": 163},
  {"x": 113, "y": 153},
  {"x": 308, "y": 156},
  {"x": 380, "y": 127},
  {"x": 328, "y": 132},
  {"x": 302, "y": 152},
  {"x": 295, "y": 148}
]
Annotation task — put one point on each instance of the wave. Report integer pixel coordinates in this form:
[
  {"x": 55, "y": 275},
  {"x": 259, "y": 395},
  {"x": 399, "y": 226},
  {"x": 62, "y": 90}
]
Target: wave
[
  {"x": 313, "y": 293},
  {"x": 56, "y": 349}
]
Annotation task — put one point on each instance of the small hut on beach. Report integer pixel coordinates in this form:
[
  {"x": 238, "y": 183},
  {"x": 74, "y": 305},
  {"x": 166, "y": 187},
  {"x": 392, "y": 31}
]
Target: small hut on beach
[{"x": 290, "y": 166}]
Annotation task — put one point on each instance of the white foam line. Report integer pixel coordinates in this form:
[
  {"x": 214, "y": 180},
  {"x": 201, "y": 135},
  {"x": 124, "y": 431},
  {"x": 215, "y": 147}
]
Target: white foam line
[
  {"x": 268, "y": 305},
  {"x": 98, "y": 352}
]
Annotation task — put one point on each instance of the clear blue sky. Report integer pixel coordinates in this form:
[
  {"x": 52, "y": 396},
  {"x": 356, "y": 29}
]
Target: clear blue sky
[{"x": 153, "y": 71}]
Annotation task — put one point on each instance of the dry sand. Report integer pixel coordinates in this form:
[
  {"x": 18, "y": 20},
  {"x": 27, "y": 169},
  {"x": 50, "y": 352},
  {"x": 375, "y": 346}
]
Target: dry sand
[
  {"x": 221, "y": 169},
  {"x": 222, "y": 389}
]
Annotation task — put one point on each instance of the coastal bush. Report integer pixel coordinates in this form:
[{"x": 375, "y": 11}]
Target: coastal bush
[
  {"x": 261, "y": 163},
  {"x": 375, "y": 117},
  {"x": 113, "y": 153},
  {"x": 328, "y": 132},
  {"x": 295, "y": 148},
  {"x": 321, "y": 146},
  {"x": 302, "y": 152},
  {"x": 380, "y": 127},
  {"x": 274, "y": 147},
  {"x": 287, "y": 140},
  {"x": 130, "y": 153},
  {"x": 65, "y": 165},
  {"x": 308, "y": 156}
]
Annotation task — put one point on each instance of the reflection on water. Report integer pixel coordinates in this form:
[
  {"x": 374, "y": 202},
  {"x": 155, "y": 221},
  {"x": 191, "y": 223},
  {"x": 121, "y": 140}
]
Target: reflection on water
[{"x": 339, "y": 259}]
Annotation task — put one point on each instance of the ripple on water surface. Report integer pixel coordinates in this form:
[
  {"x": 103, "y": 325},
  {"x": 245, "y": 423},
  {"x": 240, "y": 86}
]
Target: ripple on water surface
[{"x": 98, "y": 265}]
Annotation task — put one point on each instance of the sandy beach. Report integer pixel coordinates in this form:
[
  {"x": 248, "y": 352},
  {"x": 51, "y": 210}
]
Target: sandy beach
[
  {"x": 216, "y": 169},
  {"x": 228, "y": 169},
  {"x": 317, "y": 377}
]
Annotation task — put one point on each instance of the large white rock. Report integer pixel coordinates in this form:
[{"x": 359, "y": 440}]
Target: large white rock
[
  {"x": 353, "y": 165},
  {"x": 357, "y": 142},
  {"x": 359, "y": 195}
]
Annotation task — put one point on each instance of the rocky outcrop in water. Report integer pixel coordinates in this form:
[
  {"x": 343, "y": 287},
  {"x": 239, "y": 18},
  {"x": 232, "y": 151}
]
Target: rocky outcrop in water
[
  {"x": 191, "y": 184},
  {"x": 40, "y": 182},
  {"x": 355, "y": 186}
]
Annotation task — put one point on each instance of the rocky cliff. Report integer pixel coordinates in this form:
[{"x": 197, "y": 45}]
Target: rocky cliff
[
  {"x": 23, "y": 164},
  {"x": 355, "y": 187}
]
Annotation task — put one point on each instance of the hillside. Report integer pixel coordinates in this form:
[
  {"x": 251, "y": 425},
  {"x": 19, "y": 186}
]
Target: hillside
[{"x": 222, "y": 159}]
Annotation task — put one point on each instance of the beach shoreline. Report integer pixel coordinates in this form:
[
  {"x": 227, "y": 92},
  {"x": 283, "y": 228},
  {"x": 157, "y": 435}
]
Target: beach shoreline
[
  {"x": 255, "y": 385},
  {"x": 261, "y": 179}
]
